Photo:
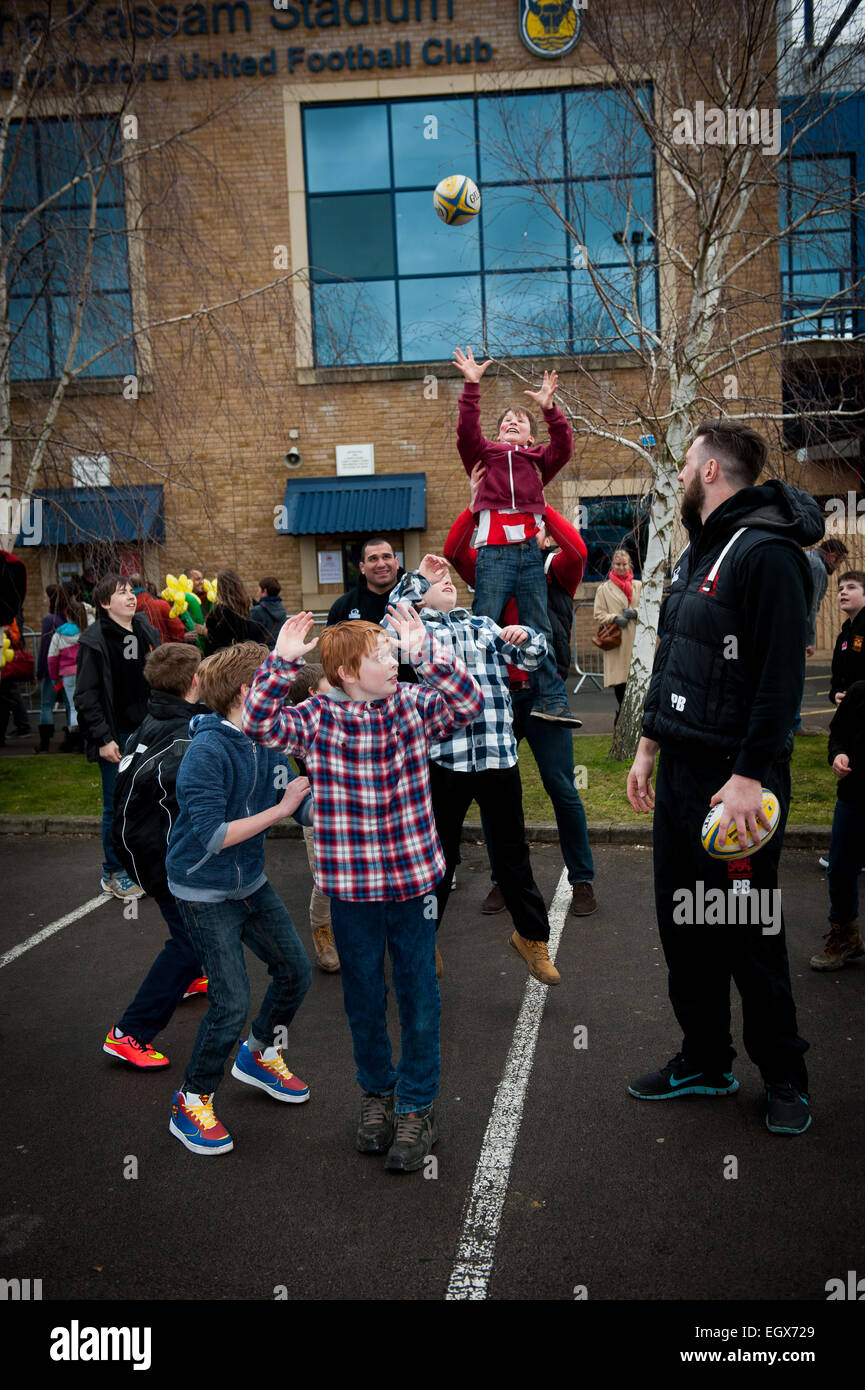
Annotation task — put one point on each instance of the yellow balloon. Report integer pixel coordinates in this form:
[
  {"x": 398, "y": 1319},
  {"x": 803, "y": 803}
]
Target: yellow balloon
[
  {"x": 175, "y": 594},
  {"x": 210, "y": 589},
  {"x": 7, "y": 650}
]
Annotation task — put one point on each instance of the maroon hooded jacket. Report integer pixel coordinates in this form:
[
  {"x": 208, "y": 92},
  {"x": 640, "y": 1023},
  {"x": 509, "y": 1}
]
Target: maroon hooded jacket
[{"x": 515, "y": 478}]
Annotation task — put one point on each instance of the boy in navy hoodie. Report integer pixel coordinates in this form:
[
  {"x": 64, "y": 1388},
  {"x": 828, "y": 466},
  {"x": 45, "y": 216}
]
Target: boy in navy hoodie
[{"x": 230, "y": 792}]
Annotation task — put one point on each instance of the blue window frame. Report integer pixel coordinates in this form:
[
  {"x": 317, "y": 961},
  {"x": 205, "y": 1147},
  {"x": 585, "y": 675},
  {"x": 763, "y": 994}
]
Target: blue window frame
[
  {"x": 391, "y": 283},
  {"x": 820, "y": 294},
  {"x": 49, "y": 255}
]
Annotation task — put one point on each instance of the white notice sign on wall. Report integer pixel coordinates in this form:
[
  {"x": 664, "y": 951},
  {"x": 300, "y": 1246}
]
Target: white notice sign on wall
[{"x": 354, "y": 459}]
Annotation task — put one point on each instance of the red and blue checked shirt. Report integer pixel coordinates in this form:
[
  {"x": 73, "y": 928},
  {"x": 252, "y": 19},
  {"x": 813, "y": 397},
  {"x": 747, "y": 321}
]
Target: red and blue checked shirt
[{"x": 367, "y": 762}]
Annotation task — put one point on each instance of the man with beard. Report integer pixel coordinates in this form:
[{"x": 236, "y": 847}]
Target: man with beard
[{"x": 725, "y": 689}]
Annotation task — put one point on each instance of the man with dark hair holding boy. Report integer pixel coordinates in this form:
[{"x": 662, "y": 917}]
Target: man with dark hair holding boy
[{"x": 726, "y": 686}]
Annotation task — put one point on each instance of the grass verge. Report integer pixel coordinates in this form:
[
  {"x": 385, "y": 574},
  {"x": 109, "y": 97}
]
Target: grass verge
[{"x": 59, "y": 785}]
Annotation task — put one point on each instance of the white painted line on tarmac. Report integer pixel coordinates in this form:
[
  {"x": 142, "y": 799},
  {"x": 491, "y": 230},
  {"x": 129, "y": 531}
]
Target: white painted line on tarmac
[
  {"x": 471, "y": 1273},
  {"x": 82, "y": 911}
]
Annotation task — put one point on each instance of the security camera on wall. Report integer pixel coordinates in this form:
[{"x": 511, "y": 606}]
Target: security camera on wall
[{"x": 293, "y": 458}]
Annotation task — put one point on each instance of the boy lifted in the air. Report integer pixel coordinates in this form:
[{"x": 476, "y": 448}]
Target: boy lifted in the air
[{"x": 508, "y": 511}]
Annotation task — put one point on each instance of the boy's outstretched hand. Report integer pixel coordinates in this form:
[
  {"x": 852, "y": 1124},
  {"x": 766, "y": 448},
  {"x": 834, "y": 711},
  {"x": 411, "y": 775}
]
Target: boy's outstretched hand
[
  {"x": 544, "y": 397},
  {"x": 433, "y": 568},
  {"x": 295, "y": 793},
  {"x": 471, "y": 370},
  {"x": 412, "y": 636},
  {"x": 291, "y": 644}
]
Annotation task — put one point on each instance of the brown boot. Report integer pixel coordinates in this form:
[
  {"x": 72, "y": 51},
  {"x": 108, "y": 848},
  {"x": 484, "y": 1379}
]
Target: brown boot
[
  {"x": 842, "y": 944},
  {"x": 493, "y": 902},
  {"x": 325, "y": 949},
  {"x": 583, "y": 900},
  {"x": 536, "y": 955}
]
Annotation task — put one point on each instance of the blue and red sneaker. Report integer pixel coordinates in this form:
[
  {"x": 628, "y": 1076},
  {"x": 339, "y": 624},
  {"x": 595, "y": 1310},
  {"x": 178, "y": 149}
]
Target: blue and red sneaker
[
  {"x": 195, "y": 1125},
  {"x": 268, "y": 1070}
]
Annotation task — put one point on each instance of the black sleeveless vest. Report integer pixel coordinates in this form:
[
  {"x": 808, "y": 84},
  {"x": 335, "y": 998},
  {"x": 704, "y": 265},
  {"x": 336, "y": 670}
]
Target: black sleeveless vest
[
  {"x": 560, "y": 608},
  {"x": 697, "y": 693}
]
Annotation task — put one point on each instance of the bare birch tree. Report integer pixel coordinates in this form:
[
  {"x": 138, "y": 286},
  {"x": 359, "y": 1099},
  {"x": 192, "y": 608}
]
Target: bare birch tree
[{"x": 695, "y": 296}]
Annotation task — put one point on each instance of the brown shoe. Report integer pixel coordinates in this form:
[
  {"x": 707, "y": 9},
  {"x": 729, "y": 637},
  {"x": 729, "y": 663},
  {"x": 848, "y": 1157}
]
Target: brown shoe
[
  {"x": 536, "y": 955},
  {"x": 842, "y": 944},
  {"x": 324, "y": 946},
  {"x": 493, "y": 902},
  {"x": 583, "y": 900},
  {"x": 438, "y": 964}
]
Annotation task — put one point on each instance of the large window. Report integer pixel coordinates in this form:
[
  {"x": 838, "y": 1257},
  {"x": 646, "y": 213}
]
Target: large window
[
  {"x": 391, "y": 283},
  {"x": 614, "y": 523},
  {"x": 818, "y": 270},
  {"x": 55, "y": 261}
]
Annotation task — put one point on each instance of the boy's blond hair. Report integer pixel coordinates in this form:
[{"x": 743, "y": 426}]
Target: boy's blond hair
[
  {"x": 220, "y": 676},
  {"x": 346, "y": 644}
]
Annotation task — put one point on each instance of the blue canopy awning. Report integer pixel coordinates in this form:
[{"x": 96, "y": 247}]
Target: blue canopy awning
[
  {"x": 87, "y": 515},
  {"x": 322, "y": 506}
]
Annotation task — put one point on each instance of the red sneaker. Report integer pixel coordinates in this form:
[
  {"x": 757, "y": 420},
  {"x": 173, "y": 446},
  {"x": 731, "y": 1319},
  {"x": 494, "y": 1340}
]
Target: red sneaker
[
  {"x": 129, "y": 1049},
  {"x": 198, "y": 986}
]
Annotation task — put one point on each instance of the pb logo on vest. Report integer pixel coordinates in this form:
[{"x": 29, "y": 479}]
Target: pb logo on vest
[{"x": 550, "y": 28}]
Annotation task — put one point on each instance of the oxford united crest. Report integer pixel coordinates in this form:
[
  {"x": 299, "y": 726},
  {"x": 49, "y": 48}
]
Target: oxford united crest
[{"x": 550, "y": 28}]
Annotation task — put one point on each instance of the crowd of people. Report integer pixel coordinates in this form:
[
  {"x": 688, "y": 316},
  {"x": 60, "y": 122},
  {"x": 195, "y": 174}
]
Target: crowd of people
[{"x": 415, "y": 709}]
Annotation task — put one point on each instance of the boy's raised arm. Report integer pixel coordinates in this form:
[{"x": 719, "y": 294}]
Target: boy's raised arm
[
  {"x": 470, "y": 438},
  {"x": 265, "y": 717}
]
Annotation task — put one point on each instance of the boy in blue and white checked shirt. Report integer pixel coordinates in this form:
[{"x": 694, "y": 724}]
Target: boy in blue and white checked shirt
[{"x": 479, "y": 763}]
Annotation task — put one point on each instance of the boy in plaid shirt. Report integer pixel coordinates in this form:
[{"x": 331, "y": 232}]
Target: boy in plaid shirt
[
  {"x": 479, "y": 763},
  {"x": 377, "y": 857}
]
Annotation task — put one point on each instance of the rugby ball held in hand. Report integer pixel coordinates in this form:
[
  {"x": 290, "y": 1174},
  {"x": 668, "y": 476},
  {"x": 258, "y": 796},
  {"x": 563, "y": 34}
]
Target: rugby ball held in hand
[{"x": 731, "y": 849}]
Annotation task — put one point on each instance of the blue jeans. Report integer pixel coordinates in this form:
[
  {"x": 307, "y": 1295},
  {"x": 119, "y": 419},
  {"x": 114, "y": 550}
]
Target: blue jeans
[
  {"x": 517, "y": 571},
  {"x": 553, "y": 747},
  {"x": 166, "y": 982},
  {"x": 218, "y": 932},
  {"x": 846, "y": 851},
  {"x": 361, "y": 931},
  {"x": 49, "y": 700},
  {"x": 108, "y": 772},
  {"x": 69, "y": 697}
]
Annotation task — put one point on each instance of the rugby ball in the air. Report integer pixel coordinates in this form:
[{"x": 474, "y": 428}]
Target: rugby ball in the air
[
  {"x": 731, "y": 849},
  {"x": 457, "y": 200}
]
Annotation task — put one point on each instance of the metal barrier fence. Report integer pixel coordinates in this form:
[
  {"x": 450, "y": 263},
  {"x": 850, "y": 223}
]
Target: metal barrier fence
[{"x": 588, "y": 659}]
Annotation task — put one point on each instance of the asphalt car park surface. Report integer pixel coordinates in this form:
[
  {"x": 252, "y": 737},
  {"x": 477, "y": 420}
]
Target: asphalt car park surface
[{"x": 607, "y": 1197}]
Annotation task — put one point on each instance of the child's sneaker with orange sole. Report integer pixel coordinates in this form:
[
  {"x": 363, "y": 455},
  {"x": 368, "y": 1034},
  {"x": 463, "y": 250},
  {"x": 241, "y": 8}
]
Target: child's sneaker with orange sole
[{"x": 129, "y": 1049}]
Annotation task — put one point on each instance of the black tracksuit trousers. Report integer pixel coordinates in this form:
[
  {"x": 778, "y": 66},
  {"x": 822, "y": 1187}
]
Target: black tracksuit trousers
[
  {"x": 499, "y": 794},
  {"x": 702, "y": 959}
]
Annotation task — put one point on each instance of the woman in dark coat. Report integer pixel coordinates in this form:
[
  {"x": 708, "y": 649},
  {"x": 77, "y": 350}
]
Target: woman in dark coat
[{"x": 228, "y": 620}]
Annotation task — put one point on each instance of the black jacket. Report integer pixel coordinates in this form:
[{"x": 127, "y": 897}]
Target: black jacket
[
  {"x": 730, "y": 668},
  {"x": 361, "y": 602},
  {"x": 270, "y": 614},
  {"x": 847, "y": 735},
  {"x": 225, "y": 627},
  {"x": 94, "y": 686},
  {"x": 848, "y": 658},
  {"x": 145, "y": 797}
]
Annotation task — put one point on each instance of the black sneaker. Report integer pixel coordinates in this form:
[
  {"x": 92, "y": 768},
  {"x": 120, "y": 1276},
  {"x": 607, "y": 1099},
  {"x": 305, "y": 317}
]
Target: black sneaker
[
  {"x": 561, "y": 714},
  {"x": 414, "y": 1137},
  {"x": 375, "y": 1130},
  {"x": 678, "y": 1079},
  {"x": 787, "y": 1110}
]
